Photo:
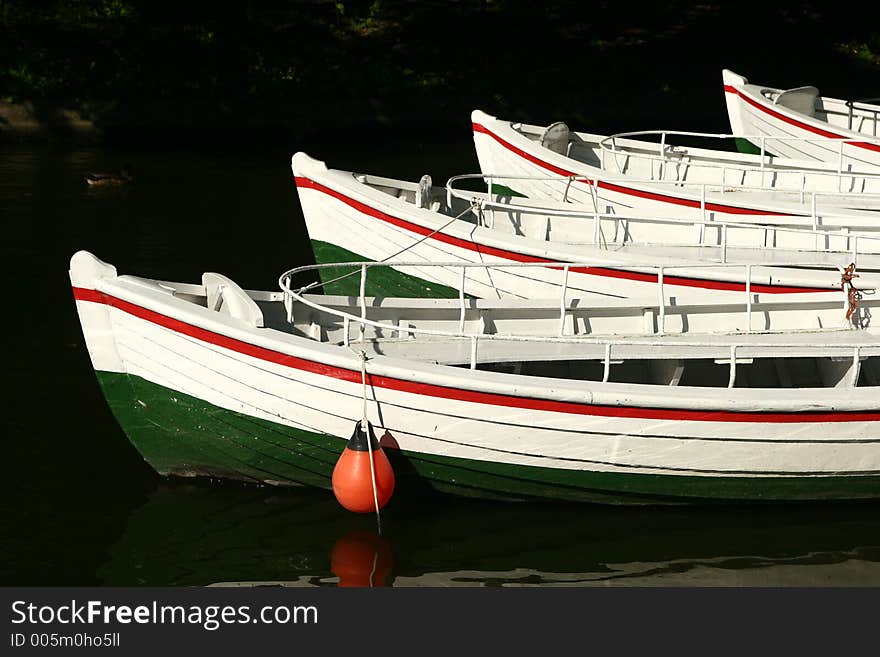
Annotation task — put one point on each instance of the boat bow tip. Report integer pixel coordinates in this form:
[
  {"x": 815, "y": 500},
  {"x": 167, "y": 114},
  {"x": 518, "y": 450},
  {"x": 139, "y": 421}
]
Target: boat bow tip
[
  {"x": 479, "y": 116},
  {"x": 302, "y": 162},
  {"x": 85, "y": 269},
  {"x": 731, "y": 78}
]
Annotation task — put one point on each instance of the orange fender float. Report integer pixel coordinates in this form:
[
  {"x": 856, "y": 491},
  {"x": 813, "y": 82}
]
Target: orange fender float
[{"x": 352, "y": 478}]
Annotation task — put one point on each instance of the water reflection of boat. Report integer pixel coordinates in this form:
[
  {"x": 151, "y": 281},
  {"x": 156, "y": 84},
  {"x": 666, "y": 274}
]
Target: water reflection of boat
[{"x": 203, "y": 534}]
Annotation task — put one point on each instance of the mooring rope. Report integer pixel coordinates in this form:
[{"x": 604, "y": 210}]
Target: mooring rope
[
  {"x": 854, "y": 295},
  {"x": 476, "y": 203},
  {"x": 364, "y": 428}
]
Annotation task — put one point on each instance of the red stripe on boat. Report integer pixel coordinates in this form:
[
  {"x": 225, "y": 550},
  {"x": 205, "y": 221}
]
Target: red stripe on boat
[
  {"x": 444, "y": 392},
  {"x": 307, "y": 183},
  {"x": 629, "y": 191},
  {"x": 798, "y": 124}
]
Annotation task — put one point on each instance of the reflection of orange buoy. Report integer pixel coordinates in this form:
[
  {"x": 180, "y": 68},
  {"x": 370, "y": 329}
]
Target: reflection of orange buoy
[
  {"x": 353, "y": 478},
  {"x": 361, "y": 558}
]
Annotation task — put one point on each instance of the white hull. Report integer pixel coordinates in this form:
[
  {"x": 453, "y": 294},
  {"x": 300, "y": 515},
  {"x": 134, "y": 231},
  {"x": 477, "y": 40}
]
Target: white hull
[
  {"x": 541, "y": 428},
  {"x": 622, "y": 186},
  {"x": 375, "y": 225},
  {"x": 754, "y": 110}
]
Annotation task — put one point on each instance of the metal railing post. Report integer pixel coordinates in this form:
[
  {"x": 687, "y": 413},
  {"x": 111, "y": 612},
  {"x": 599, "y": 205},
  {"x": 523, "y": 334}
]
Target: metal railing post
[
  {"x": 724, "y": 243},
  {"x": 748, "y": 298},
  {"x": 363, "y": 301},
  {"x": 703, "y": 200},
  {"x": 813, "y": 211},
  {"x": 562, "y": 303},
  {"x": 732, "y": 379},
  {"x": 607, "y": 368},
  {"x": 288, "y": 300},
  {"x": 461, "y": 302},
  {"x": 595, "y": 184},
  {"x": 661, "y": 323},
  {"x": 854, "y": 379},
  {"x": 662, "y": 169},
  {"x": 596, "y": 230},
  {"x": 473, "y": 352},
  {"x": 491, "y": 204}
]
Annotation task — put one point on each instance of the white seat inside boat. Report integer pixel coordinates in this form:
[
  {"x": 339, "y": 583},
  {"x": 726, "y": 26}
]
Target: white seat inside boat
[
  {"x": 556, "y": 138},
  {"x": 799, "y": 99},
  {"x": 423, "y": 192},
  {"x": 226, "y": 297}
]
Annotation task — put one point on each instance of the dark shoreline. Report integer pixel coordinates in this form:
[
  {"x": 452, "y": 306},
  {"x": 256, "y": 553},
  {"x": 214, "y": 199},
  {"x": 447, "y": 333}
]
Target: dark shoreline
[
  {"x": 188, "y": 121},
  {"x": 317, "y": 72}
]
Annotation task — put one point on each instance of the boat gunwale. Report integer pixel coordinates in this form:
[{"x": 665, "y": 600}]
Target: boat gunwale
[{"x": 739, "y": 404}]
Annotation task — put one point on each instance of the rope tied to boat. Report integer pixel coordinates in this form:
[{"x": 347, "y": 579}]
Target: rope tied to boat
[
  {"x": 365, "y": 430},
  {"x": 570, "y": 180},
  {"x": 363, "y": 479},
  {"x": 854, "y": 295},
  {"x": 474, "y": 203}
]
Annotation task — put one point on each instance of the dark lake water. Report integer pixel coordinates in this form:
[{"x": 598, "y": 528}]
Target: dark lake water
[{"x": 80, "y": 507}]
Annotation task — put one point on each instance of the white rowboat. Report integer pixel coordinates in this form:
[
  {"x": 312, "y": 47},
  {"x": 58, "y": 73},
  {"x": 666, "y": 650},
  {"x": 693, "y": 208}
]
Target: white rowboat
[
  {"x": 800, "y": 123},
  {"x": 626, "y": 176},
  {"x": 354, "y": 217},
  {"x": 208, "y": 379}
]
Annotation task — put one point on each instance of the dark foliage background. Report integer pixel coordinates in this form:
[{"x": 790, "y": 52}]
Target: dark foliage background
[{"x": 306, "y": 66}]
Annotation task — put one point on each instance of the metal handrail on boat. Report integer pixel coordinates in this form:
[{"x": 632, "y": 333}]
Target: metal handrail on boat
[
  {"x": 290, "y": 295},
  {"x": 865, "y": 105},
  {"x": 840, "y": 174},
  {"x": 821, "y": 236},
  {"x": 593, "y": 183}
]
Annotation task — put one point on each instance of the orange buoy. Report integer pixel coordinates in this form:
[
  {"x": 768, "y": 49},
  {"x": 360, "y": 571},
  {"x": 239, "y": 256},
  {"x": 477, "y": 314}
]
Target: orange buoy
[
  {"x": 361, "y": 558},
  {"x": 353, "y": 476}
]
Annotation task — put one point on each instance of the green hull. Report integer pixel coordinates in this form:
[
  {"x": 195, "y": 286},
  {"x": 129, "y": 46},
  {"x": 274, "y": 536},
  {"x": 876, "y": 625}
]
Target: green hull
[
  {"x": 747, "y": 147},
  {"x": 504, "y": 190},
  {"x": 181, "y": 435},
  {"x": 381, "y": 281}
]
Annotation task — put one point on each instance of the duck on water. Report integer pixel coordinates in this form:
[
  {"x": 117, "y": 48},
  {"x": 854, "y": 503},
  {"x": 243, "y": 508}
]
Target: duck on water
[{"x": 121, "y": 177}]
